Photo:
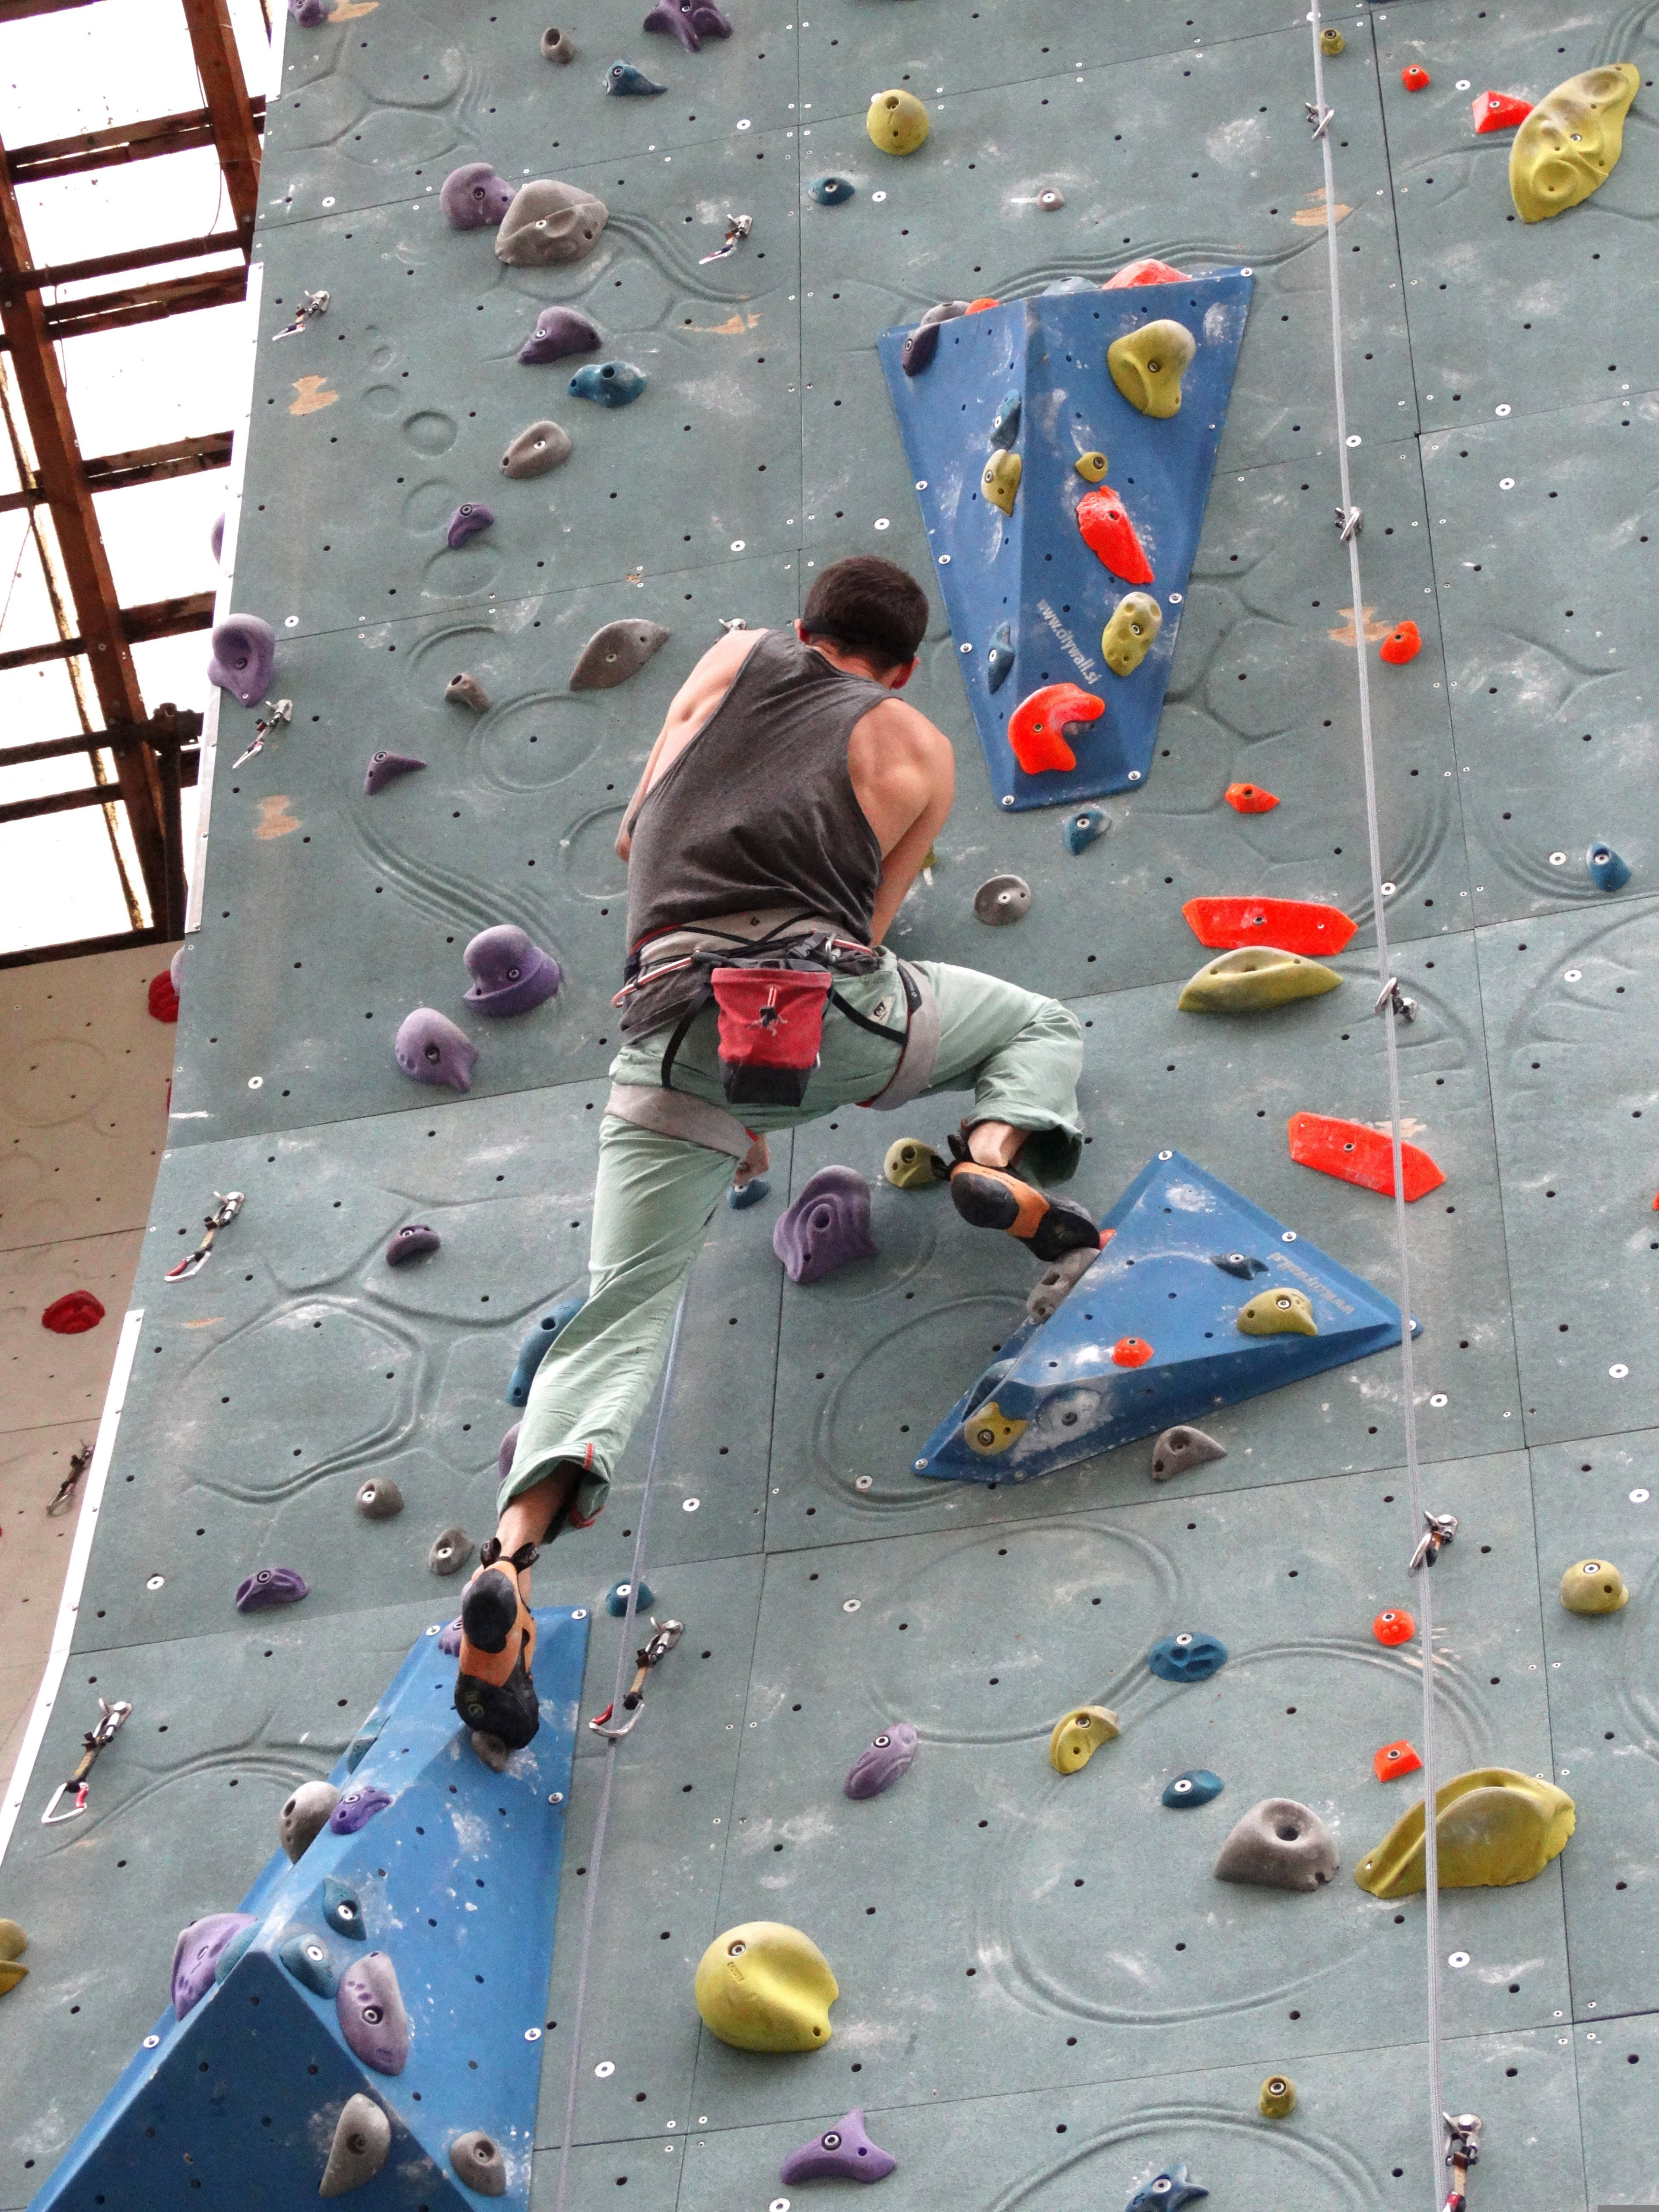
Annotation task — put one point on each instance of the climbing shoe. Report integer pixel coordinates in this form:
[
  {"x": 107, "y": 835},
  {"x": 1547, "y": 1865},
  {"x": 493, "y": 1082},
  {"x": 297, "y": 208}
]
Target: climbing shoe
[
  {"x": 494, "y": 1693},
  {"x": 993, "y": 1198}
]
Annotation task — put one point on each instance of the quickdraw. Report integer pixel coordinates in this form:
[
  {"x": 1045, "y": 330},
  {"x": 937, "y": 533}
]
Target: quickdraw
[
  {"x": 312, "y": 305},
  {"x": 93, "y": 1741},
  {"x": 79, "y": 1463},
  {"x": 664, "y": 1636},
  {"x": 1438, "y": 1530},
  {"x": 278, "y": 716},
  {"x": 1462, "y": 2151},
  {"x": 230, "y": 1205}
]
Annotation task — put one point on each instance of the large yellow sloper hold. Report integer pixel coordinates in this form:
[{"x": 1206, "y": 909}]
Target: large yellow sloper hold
[
  {"x": 1148, "y": 364},
  {"x": 1570, "y": 145},
  {"x": 13, "y": 1944},
  {"x": 1254, "y": 978},
  {"x": 766, "y": 1987},
  {"x": 896, "y": 123},
  {"x": 1495, "y": 1827}
]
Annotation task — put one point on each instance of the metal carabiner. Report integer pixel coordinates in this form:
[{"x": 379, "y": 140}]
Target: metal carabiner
[
  {"x": 1438, "y": 1529},
  {"x": 1391, "y": 995},
  {"x": 230, "y": 1205},
  {"x": 110, "y": 1719},
  {"x": 312, "y": 305},
  {"x": 1319, "y": 118},
  {"x": 665, "y": 1635},
  {"x": 1462, "y": 2152},
  {"x": 1350, "y": 521},
  {"x": 79, "y": 1463},
  {"x": 738, "y": 227}
]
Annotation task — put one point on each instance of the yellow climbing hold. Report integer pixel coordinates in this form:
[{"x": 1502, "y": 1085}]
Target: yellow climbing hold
[
  {"x": 1254, "y": 977},
  {"x": 898, "y": 122},
  {"x": 1078, "y": 1734},
  {"x": 766, "y": 1987},
  {"x": 1593, "y": 1586},
  {"x": 1128, "y": 637},
  {"x": 912, "y": 1165},
  {"x": 1000, "y": 481},
  {"x": 1331, "y": 40},
  {"x": 1570, "y": 145},
  {"x": 1148, "y": 364},
  {"x": 1278, "y": 1312},
  {"x": 1495, "y": 1827},
  {"x": 987, "y": 1431},
  {"x": 1277, "y": 2097},
  {"x": 13, "y": 1944},
  {"x": 1091, "y": 467}
]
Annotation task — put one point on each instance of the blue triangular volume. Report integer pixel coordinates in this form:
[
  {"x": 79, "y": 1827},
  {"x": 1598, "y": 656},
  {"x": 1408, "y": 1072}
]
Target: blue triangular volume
[
  {"x": 458, "y": 1880},
  {"x": 1032, "y": 570},
  {"x": 1157, "y": 1280}
]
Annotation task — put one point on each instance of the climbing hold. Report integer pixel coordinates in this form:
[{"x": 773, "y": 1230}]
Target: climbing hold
[
  {"x": 1148, "y": 364},
  {"x": 1498, "y": 111},
  {"x": 1187, "y": 1657},
  {"x": 766, "y": 1987},
  {"x": 1177, "y": 1449},
  {"x": 1064, "y": 286},
  {"x": 1143, "y": 271},
  {"x": 476, "y": 2157},
  {"x": 196, "y": 1952},
  {"x": 1091, "y": 467},
  {"x": 548, "y": 222},
  {"x": 614, "y": 653},
  {"x": 342, "y": 1907},
  {"x": 310, "y": 13},
  {"x": 988, "y": 1430},
  {"x": 1356, "y": 1154},
  {"x": 1110, "y": 535},
  {"x": 306, "y": 1814},
  {"x": 1394, "y": 1627},
  {"x": 1001, "y": 900},
  {"x": 1278, "y": 1312},
  {"x": 225, "y": 1965},
  {"x": 828, "y": 1225},
  {"x": 1403, "y": 644},
  {"x": 1250, "y": 799},
  {"x": 1607, "y": 871},
  {"x": 623, "y": 81},
  {"x": 1040, "y": 727},
  {"x": 13, "y": 1944},
  {"x": 1077, "y": 1735},
  {"x": 244, "y": 653},
  {"x": 364, "y": 1741},
  {"x": 691, "y": 21},
  {"x": 380, "y": 1499},
  {"x": 1281, "y": 1845},
  {"x": 558, "y": 45},
  {"x": 470, "y": 517},
  {"x": 1331, "y": 40},
  {"x": 505, "y": 1452},
  {"x": 1291, "y": 925},
  {"x": 1196, "y": 1787},
  {"x": 1131, "y": 1351},
  {"x": 1277, "y": 2097},
  {"x": 510, "y": 972},
  {"x": 1005, "y": 423},
  {"x": 370, "y": 2008},
  {"x": 464, "y": 690},
  {"x": 362, "y": 2145},
  {"x": 473, "y": 197},
  {"x": 918, "y": 349},
  {"x": 535, "y": 1347},
  {"x": 1415, "y": 77},
  {"x": 1570, "y": 145},
  {"x": 1244, "y": 1265},
  {"x": 1166, "y": 2192},
  {"x": 1494, "y": 1826},
  {"x": 912, "y": 1165},
  {"x": 312, "y": 1964},
  {"x": 558, "y": 331},
  {"x": 449, "y": 1637},
  {"x": 616, "y": 1600},
  {"x": 1057, "y": 1282},
  {"x": 879, "y": 1765},
  {"x": 1081, "y": 829},
  {"x": 1000, "y": 480},
  {"x": 999, "y": 657},
  {"x": 73, "y": 1315},
  {"x": 494, "y": 1752},
  {"x": 161, "y": 998},
  {"x": 1393, "y": 1760},
  {"x": 740, "y": 1196},
  {"x": 386, "y": 767},
  {"x": 271, "y": 1586},
  {"x": 414, "y": 1241},
  {"x": 830, "y": 191},
  {"x": 896, "y": 123},
  {"x": 608, "y": 383},
  {"x": 1128, "y": 637},
  {"x": 357, "y": 1808},
  {"x": 1593, "y": 1586},
  {"x": 1051, "y": 199},
  {"x": 430, "y": 1048},
  {"x": 982, "y": 307},
  {"x": 451, "y": 1550},
  {"x": 543, "y": 447},
  {"x": 843, "y": 2153}
]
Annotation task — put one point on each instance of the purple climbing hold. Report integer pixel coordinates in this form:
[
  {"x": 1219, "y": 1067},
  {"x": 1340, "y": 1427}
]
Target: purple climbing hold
[
  {"x": 559, "y": 330},
  {"x": 469, "y": 519},
  {"x": 691, "y": 21},
  {"x": 510, "y": 972},
  {"x": 430, "y": 1048},
  {"x": 370, "y": 2008},
  {"x": 243, "y": 654},
  {"x": 357, "y": 1808},
  {"x": 843, "y": 2153},
  {"x": 412, "y": 1241},
  {"x": 271, "y": 1586},
  {"x": 878, "y": 1768},
  {"x": 386, "y": 767},
  {"x": 449, "y": 1637},
  {"x": 309, "y": 12},
  {"x": 217, "y": 535},
  {"x": 196, "y": 1954},
  {"x": 828, "y": 1225},
  {"x": 474, "y": 198}
]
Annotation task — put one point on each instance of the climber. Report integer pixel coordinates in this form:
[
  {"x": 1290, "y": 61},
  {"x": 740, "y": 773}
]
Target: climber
[{"x": 788, "y": 802}]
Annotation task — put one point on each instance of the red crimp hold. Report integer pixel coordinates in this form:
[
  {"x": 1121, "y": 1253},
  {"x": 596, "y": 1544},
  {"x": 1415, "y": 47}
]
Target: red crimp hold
[
  {"x": 1393, "y": 1760},
  {"x": 1039, "y": 726},
  {"x": 1498, "y": 111},
  {"x": 1131, "y": 1351},
  {"x": 1416, "y": 78},
  {"x": 1394, "y": 1627},
  {"x": 1250, "y": 799},
  {"x": 72, "y": 1314},
  {"x": 980, "y": 307},
  {"x": 1146, "y": 271},
  {"x": 1403, "y": 644},
  {"x": 163, "y": 999},
  {"x": 1353, "y": 1154},
  {"x": 1291, "y": 925},
  {"x": 1110, "y": 535}
]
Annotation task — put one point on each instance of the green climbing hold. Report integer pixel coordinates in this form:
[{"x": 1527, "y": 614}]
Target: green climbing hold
[
  {"x": 1091, "y": 467},
  {"x": 1594, "y": 1586},
  {"x": 13, "y": 1944},
  {"x": 1128, "y": 637},
  {"x": 1494, "y": 1828},
  {"x": 1253, "y": 978},
  {"x": 999, "y": 657},
  {"x": 1277, "y": 2097},
  {"x": 830, "y": 191},
  {"x": 896, "y": 123},
  {"x": 1148, "y": 364},
  {"x": 988, "y": 1430},
  {"x": 1000, "y": 482},
  {"x": 1005, "y": 423},
  {"x": 1331, "y": 40},
  {"x": 1570, "y": 145},
  {"x": 912, "y": 1165},
  {"x": 766, "y": 1987},
  {"x": 1278, "y": 1312}
]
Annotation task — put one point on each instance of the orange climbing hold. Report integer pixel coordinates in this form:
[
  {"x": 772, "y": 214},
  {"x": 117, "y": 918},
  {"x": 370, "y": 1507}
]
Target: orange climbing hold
[
  {"x": 1394, "y": 1627},
  {"x": 1395, "y": 1759},
  {"x": 1416, "y": 78},
  {"x": 1040, "y": 725},
  {"x": 1353, "y": 1154},
  {"x": 1131, "y": 1351},
  {"x": 1402, "y": 643},
  {"x": 1250, "y": 799},
  {"x": 1110, "y": 535},
  {"x": 1498, "y": 111},
  {"x": 1144, "y": 272},
  {"x": 1289, "y": 925},
  {"x": 978, "y": 306}
]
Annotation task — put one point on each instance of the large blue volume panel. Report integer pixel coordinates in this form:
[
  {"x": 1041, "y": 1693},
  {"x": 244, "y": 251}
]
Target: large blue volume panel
[
  {"x": 455, "y": 1882},
  {"x": 1151, "y": 1333},
  {"x": 1032, "y": 570}
]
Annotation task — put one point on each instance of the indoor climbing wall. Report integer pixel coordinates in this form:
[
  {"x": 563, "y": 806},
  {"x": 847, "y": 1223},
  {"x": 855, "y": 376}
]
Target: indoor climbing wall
[{"x": 1046, "y": 1999}]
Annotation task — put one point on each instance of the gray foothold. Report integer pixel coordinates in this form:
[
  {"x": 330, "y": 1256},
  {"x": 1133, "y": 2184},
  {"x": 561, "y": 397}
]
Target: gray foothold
[
  {"x": 945, "y": 312},
  {"x": 451, "y": 1550},
  {"x": 614, "y": 653},
  {"x": 1178, "y": 1449},
  {"x": 550, "y": 222},
  {"x": 1055, "y": 1284},
  {"x": 370, "y": 2008},
  {"x": 556, "y": 46},
  {"x": 380, "y": 1499},
  {"x": 543, "y": 447},
  {"x": 305, "y": 1816},
  {"x": 477, "y": 2159},
  {"x": 1051, "y": 199},
  {"x": 1279, "y": 1844},
  {"x": 464, "y": 690},
  {"x": 1001, "y": 900},
  {"x": 489, "y": 1748},
  {"x": 362, "y": 2145}
]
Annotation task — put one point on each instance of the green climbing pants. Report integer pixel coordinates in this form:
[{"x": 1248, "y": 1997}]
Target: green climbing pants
[{"x": 656, "y": 1194}]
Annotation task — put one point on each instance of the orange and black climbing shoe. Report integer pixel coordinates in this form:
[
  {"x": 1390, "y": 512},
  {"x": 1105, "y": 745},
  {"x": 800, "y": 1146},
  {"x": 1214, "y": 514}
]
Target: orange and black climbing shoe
[
  {"x": 493, "y": 1692},
  {"x": 993, "y": 1198}
]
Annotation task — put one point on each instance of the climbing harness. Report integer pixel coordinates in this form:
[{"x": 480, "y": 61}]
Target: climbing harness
[
  {"x": 666, "y": 1634},
  {"x": 230, "y": 1205},
  {"x": 1462, "y": 2151},
  {"x": 312, "y": 305},
  {"x": 110, "y": 1719},
  {"x": 280, "y": 714},
  {"x": 738, "y": 227},
  {"x": 80, "y": 1461}
]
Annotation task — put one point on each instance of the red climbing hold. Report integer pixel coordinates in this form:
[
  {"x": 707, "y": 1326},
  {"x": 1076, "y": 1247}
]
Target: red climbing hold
[
  {"x": 72, "y": 1314},
  {"x": 1416, "y": 78},
  {"x": 1402, "y": 643},
  {"x": 1394, "y": 1627},
  {"x": 1290, "y": 924},
  {"x": 1498, "y": 111},
  {"x": 1108, "y": 534},
  {"x": 163, "y": 999},
  {"x": 1144, "y": 272},
  {"x": 1353, "y": 1154},
  {"x": 1039, "y": 726},
  {"x": 1395, "y": 1759},
  {"x": 979, "y": 307},
  {"x": 1131, "y": 1351},
  {"x": 1250, "y": 799}
]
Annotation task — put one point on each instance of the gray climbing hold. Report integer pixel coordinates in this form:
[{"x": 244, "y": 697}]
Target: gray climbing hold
[
  {"x": 608, "y": 383},
  {"x": 469, "y": 518},
  {"x": 464, "y": 690},
  {"x": 414, "y": 1241},
  {"x": 558, "y": 45},
  {"x": 830, "y": 191},
  {"x": 1065, "y": 285},
  {"x": 1177, "y": 1449},
  {"x": 1051, "y": 199},
  {"x": 1001, "y": 900},
  {"x": 614, "y": 653},
  {"x": 510, "y": 972},
  {"x": 999, "y": 657},
  {"x": 430, "y": 1048},
  {"x": 474, "y": 198},
  {"x": 196, "y": 1954},
  {"x": 559, "y": 330},
  {"x": 1279, "y": 1844},
  {"x": 550, "y": 222},
  {"x": 1080, "y": 830},
  {"x": 244, "y": 653},
  {"x": 306, "y": 1814},
  {"x": 477, "y": 2159},
  {"x": 341, "y": 1906},
  {"x": 369, "y": 2006},
  {"x": 1005, "y": 423},
  {"x": 452, "y": 1548},
  {"x": 1607, "y": 871},
  {"x": 386, "y": 767},
  {"x": 543, "y": 447},
  {"x": 312, "y": 1964},
  {"x": 623, "y": 81},
  {"x": 362, "y": 2145},
  {"x": 379, "y": 1498},
  {"x": 945, "y": 311},
  {"x": 489, "y": 1748},
  {"x": 918, "y": 349},
  {"x": 1055, "y": 1284}
]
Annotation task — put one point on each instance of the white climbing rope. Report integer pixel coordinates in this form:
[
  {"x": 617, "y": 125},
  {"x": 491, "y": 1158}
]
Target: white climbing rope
[
  {"x": 1320, "y": 118},
  {"x": 596, "y": 1855}
]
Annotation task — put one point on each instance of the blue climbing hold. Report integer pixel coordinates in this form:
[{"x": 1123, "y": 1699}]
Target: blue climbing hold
[
  {"x": 341, "y": 1908},
  {"x": 999, "y": 657},
  {"x": 1187, "y": 1658},
  {"x": 1166, "y": 2192},
  {"x": 1005, "y": 423},
  {"x": 1084, "y": 825},
  {"x": 536, "y": 1346},
  {"x": 741, "y": 1195},
  {"x": 1062, "y": 285},
  {"x": 830, "y": 191},
  {"x": 616, "y": 1600},
  {"x": 1196, "y": 1787},
  {"x": 1607, "y": 871},
  {"x": 311, "y": 1962},
  {"x": 225, "y": 1963},
  {"x": 623, "y": 80},
  {"x": 1244, "y": 1265},
  {"x": 608, "y": 383}
]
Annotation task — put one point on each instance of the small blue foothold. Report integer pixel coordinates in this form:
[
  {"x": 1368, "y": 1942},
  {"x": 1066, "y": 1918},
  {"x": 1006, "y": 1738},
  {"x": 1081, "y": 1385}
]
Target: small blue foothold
[
  {"x": 341, "y": 1908},
  {"x": 610, "y": 383},
  {"x": 1196, "y": 1787},
  {"x": 1082, "y": 828},
  {"x": 310, "y": 1961},
  {"x": 233, "y": 1951},
  {"x": 740, "y": 1195},
  {"x": 1607, "y": 871},
  {"x": 1005, "y": 423},
  {"x": 1070, "y": 284},
  {"x": 999, "y": 657},
  {"x": 536, "y": 1346},
  {"x": 616, "y": 1600},
  {"x": 1187, "y": 1657},
  {"x": 1166, "y": 2192},
  {"x": 1244, "y": 1265},
  {"x": 830, "y": 191},
  {"x": 624, "y": 81}
]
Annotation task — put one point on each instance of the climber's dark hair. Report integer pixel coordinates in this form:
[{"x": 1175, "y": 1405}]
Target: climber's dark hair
[{"x": 869, "y": 608}]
